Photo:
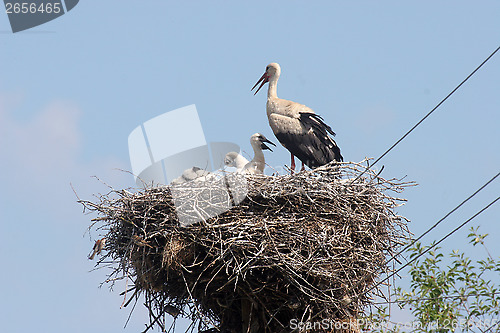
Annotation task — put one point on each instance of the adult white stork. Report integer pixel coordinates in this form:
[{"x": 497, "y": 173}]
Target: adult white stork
[
  {"x": 297, "y": 127},
  {"x": 257, "y": 164}
]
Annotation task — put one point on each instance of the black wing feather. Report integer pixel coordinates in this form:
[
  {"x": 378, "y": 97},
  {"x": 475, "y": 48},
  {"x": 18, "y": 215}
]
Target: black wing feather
[{"x": 315, "y": 147}]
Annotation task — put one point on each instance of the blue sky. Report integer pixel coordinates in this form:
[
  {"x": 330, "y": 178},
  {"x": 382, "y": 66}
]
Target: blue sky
[{"x": 73, "y": 89}]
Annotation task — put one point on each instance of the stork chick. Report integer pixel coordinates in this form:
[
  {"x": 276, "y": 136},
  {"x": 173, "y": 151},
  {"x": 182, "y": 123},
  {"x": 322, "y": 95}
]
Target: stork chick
[
  {"x": 235, "y": 160},
  {"x": 258, "y": 163}
]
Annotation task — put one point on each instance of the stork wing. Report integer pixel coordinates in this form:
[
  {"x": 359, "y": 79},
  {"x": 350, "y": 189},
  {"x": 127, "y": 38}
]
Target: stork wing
[
  {"x": 312, "y": 144},
  {"x": 320, "y": 132}
]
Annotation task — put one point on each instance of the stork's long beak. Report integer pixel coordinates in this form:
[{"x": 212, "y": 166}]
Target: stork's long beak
[
  {"x": 264, "y": 78},
  {"x": 264, "y": 146}
]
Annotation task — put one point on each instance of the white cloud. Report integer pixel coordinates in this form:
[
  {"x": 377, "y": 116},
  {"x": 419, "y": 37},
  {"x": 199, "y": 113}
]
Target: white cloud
[
  {"x": 43, "y": 145},
  {"x": 41, "y": 156}
]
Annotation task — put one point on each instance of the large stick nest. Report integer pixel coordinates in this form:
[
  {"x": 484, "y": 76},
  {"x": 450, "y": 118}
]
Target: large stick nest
[{"x": 307, "y": 246}]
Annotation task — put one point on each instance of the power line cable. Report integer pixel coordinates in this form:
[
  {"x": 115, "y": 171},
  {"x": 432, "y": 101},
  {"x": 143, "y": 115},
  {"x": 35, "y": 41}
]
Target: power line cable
[
  {"x": 437, "y": 223},
  {"x": 443, "y": 218},
  {"x": 427, "y": 115},
  {"x": 433, "y": 245},
  {"x": 489, "y": 329}
]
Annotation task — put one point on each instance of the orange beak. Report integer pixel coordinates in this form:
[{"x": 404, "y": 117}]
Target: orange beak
[{"x": 264, "y": 79}]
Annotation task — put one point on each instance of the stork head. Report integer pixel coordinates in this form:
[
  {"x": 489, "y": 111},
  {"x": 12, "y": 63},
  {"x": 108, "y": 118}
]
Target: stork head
[
  {"x": 259, "y": 140},
  {"x": 272, "y": 70},
  {"x": 230, "y": 159}
]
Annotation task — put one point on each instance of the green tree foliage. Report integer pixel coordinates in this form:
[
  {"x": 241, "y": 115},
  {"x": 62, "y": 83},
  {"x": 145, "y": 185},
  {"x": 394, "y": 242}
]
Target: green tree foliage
[{"x": 454, "y": 294}]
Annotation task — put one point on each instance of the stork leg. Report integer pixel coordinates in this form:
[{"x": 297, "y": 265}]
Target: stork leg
[
  {"x": 292, "y": 164},
  {"x": 303, "y": 167}
]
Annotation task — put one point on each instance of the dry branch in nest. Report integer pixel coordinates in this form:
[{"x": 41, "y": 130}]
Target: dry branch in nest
[{"x": 306, "y": 247}]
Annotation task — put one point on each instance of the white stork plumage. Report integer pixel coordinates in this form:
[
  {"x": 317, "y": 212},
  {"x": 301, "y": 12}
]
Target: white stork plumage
[
  {"x": 297, "y": 127},
  {"x": 257, "y": 164},
  {"x": 191, "y": 174},
  {"x": 235, "y": 160}
]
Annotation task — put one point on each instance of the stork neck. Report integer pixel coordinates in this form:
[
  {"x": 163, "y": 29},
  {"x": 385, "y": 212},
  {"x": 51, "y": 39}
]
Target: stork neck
[
  {"x": 240, "y": 161},
  {"x": 272, "y": 92},
  {"x": 258, "y": 154}
]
